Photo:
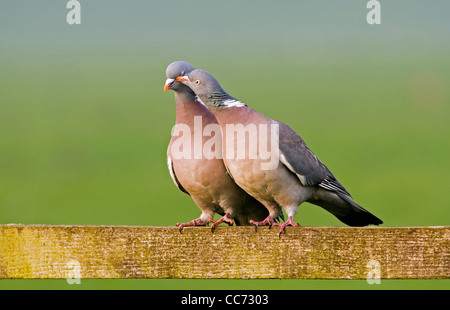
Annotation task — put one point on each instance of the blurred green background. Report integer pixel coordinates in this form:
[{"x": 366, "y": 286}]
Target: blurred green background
[{"x": 84, "y": 123}]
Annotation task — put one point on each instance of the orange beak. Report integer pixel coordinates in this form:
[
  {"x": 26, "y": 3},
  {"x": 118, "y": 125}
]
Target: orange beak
[
  {"x": 182, "y": 79},
  {"x": 168, "y": 84}
]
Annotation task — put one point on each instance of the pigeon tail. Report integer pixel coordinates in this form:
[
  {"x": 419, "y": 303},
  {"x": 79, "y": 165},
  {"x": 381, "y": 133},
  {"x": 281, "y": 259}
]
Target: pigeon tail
[{"x": 346, "y": 210}]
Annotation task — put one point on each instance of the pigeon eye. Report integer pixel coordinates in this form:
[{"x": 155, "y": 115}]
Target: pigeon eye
[{"x": 197, "y": 82}]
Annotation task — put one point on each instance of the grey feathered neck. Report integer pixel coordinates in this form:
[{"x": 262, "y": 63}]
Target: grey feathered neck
[
  {"x": 221, "y": 99},
  {"x": 210, "y": 91}
]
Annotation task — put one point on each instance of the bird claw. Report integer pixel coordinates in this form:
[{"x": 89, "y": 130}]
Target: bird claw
[
  {"x": 180, "y": 228},
  {"x": 283, "y": 226},
  {"x": 268, "y": 221},
  {"x": 225, "y": 219},
  {"x": 196, "y": 222}
]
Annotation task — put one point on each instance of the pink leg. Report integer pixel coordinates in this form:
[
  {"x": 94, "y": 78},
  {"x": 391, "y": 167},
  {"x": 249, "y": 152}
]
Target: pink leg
[
  {"x": 196, "y": 222},
  {"x": 267, "y": 221},
  {"x": 225, "y": 219},
  {"x": 289, "y": 222}
]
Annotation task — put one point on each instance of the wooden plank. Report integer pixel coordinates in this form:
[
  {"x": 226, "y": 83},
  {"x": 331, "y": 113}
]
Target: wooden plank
[{"x": 39, "y": 251}]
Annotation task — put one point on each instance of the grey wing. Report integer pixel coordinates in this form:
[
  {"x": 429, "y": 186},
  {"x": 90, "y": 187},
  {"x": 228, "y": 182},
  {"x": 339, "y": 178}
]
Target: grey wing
[
  {"x": 299, "y": 159},
  {"x": 173, "y": 175}
]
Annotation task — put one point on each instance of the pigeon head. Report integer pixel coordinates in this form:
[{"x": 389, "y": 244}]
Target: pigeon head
[
  {"x": 175, "y": 69},
  {"x": 208, "y": 89},
  {"x": 201, "y": 82}
]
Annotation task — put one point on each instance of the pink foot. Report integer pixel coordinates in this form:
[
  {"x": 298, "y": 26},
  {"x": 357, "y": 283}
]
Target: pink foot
[
  {"x": 289, "y": 222},
  {"x": 196, "y": 222},
  {"x": 225, "y": 219},
  {"x": 267, "y": 221}
]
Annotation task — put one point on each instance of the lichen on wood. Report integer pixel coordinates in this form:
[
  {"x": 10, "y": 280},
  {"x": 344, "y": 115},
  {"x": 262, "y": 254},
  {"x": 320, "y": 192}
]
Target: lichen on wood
[{"x": 41, "y": 251}]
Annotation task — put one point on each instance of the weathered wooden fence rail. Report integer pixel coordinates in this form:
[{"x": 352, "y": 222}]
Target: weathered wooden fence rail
[{"x": 38, "y": 251}]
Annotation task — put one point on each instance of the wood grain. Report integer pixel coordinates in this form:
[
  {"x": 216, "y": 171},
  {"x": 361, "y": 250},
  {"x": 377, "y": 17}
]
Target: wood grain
[{"x": 39, "y": 251}]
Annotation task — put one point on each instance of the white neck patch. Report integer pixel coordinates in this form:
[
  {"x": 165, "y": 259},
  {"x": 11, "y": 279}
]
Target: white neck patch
[
  {"x": 233, "y": 103},
  {"x": 200, "y": 100}
]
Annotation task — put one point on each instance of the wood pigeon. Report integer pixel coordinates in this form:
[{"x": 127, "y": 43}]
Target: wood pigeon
[
  {"x": 201, "y": 176},
  {"x": 296, "y": 175}
]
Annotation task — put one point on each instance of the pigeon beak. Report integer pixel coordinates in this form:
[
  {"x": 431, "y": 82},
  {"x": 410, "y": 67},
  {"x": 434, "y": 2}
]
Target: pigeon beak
[
  {"x": 168, "y": 85},
  {"x": 182, "y": 79}
]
